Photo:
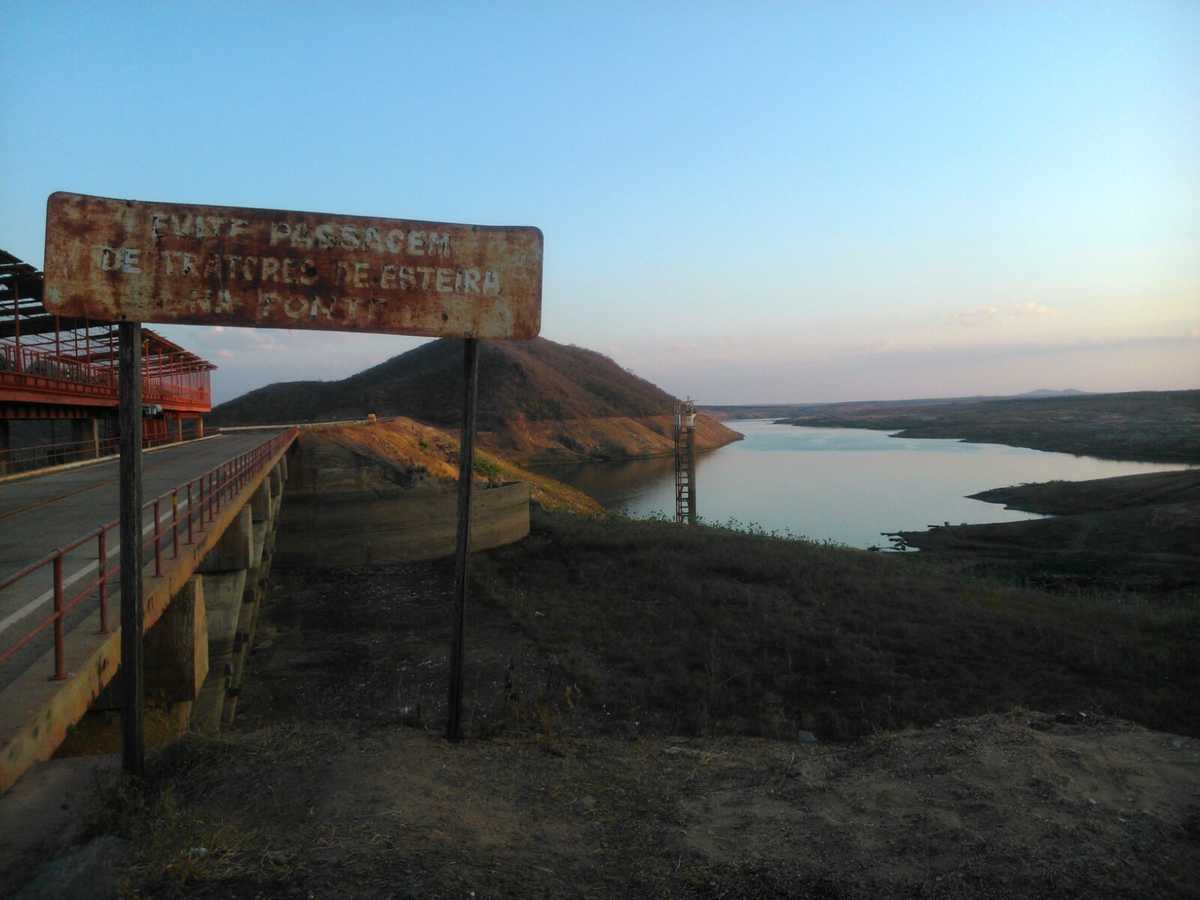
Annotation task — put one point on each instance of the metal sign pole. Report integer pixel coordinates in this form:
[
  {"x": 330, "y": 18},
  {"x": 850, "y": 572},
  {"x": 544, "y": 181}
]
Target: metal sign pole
[
  {"x": 133, "y": 750},
  {"x": 466, "y": 465}
]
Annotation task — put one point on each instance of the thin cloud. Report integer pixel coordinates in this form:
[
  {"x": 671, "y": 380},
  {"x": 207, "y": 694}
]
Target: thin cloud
[
  {"x": 971, "y": 318},
  {"x": 985, "y": 315},
  {"x": 1032, "y": 309},
  {"x": 266, "y": 342}
]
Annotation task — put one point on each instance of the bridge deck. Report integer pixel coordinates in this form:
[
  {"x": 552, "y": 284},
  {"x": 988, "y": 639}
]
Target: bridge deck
[
  {"x": 42, "y": 513},
  {"x": 38, "y": 710}
]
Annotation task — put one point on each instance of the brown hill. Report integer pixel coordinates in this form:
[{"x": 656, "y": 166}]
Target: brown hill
[{"x": 538, "y": 401}]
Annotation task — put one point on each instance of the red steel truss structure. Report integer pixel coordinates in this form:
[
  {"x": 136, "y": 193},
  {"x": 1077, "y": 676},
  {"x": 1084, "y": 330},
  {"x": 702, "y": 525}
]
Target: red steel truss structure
[{"x": 59, "y": 367}]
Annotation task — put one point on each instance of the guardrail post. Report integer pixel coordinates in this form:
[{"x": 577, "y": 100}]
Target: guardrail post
[
  {"x": 60, "y": 653},
  {"x": 175, "y": 523},
  {"x": 190, "y": 511}
]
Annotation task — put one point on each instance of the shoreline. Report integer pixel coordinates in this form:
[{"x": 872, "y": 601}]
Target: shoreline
[
  {"x": 1138, "y": 426},
  {"x": 916, "y": 433}
]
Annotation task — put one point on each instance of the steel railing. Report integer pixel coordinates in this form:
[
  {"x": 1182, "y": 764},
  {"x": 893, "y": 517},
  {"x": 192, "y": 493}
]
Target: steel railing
[
  {"x": 178, "y": 517},
  {"x": 72, "y": 375},
  {"x": 16, "y": 460}
]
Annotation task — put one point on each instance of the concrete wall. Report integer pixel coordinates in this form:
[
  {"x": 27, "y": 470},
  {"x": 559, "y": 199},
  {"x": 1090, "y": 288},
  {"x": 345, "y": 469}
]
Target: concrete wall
[{"x": 382, "y": 525}]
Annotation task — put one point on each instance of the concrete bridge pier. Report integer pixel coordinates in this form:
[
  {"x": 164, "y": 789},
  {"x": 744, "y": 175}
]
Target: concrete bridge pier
[
  {"x": 264, "y": 510},
  {"x": 175, "y": 665},
  {"x": 224, "y": 571},
  {"x": 235, "y": 575}
]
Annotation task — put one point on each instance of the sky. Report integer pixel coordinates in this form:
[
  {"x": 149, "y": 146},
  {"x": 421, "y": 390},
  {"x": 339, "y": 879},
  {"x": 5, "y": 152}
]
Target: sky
[{"x": 742, "y": 202}]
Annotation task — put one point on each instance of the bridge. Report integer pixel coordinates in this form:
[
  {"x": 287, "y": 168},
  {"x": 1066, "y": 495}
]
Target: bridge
[{"x": 208, "y": 536}]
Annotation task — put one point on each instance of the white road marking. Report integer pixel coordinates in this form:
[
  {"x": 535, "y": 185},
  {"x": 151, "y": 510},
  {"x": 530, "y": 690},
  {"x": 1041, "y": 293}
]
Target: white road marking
[{"x": 11, "y": 619}]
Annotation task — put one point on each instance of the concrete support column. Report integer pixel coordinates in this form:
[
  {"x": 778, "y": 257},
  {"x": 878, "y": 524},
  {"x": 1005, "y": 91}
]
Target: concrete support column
[
  {"x": 243, "y": 641},
  {"x": 179, "y": 428},
  {"x": 95, "y": 437},
  {"x": 275, "y": 479},
  {"x": 199, "y": 426},
  {"x": 261, "y": 507},
  {"x": 176, "y": 649},
  {"x": 224, "y": 605},
  {"x": 176, "y": 666},
  {"x": 224, "y": 570}
]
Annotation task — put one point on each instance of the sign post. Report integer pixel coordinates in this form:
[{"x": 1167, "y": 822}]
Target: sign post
[
  {"x": 129, "y": 394},
  {"x": 132, "y": 261},
  {"x": 466, "y": 467}
]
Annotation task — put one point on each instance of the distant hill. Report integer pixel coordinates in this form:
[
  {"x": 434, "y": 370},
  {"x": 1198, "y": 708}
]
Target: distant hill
[
  {"x": 726, "y": 411},
  {"x": 1047, "y": 392},
  {"x": 527, "y": 389},
  {"x": 537, "y": 380},
  {"x": 1154, "y": 426}
]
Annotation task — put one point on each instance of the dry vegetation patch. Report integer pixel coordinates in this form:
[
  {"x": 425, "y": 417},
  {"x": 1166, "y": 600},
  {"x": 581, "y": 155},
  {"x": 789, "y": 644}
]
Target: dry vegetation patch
[
  {"x": 412, "y": 452},
  {"x": 711, "y": 631},
  {"x": 590, "y": 771}
]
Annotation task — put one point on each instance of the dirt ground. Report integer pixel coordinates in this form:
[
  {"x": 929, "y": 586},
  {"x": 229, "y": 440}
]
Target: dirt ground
[{"x": 337, "y": 782}]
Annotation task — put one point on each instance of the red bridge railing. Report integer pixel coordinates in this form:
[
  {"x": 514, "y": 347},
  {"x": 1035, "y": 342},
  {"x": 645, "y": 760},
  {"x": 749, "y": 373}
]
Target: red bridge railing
[
  {"x": 44, "y": 371},
  {"x": 179, "y": 516}
]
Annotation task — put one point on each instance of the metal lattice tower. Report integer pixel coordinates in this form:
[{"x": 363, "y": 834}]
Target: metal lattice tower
[{"x": 685, "y": 462}]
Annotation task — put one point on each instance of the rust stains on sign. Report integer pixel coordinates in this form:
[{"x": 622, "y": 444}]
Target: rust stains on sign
[{"x": 215, "y": 265}]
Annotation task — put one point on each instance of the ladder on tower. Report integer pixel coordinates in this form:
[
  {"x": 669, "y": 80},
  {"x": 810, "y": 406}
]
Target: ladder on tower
[
  {"x": 683, "y": 487},
  {"x": 683, "y": 456}
]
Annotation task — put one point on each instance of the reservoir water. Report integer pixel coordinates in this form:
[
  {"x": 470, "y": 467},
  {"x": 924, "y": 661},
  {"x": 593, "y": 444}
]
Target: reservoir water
[{"x": 840, "y": 484}]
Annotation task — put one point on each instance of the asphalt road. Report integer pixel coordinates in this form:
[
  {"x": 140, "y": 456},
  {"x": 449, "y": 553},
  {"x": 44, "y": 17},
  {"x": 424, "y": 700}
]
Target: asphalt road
[{"x": 39, "y": 515}]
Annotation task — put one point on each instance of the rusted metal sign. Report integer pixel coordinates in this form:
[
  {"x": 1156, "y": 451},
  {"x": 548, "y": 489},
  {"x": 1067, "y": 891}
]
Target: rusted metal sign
[{"x": 215, "y": 265}]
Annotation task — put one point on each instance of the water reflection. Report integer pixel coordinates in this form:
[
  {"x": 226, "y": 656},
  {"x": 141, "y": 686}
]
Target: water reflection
[
  {"x": 622, "y": 485},
  {"x": 842, "y": 484}
]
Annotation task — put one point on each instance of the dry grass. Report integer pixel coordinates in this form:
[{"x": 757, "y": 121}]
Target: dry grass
[
  {"x": 713, "y": 631},
  {"x": 187, "y": 822},
  {"x": 593, "y": 645},
  {"x": 434, "y": 453}
]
